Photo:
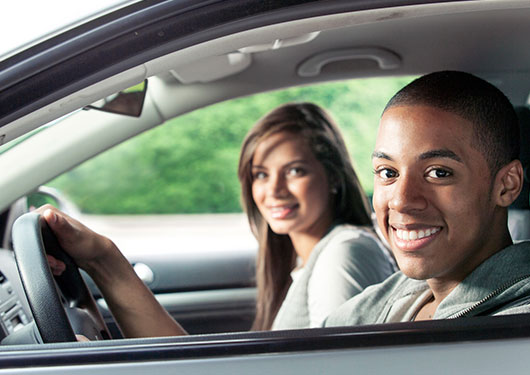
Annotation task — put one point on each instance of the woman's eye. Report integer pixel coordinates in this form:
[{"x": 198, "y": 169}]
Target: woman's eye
[
  {"x": 295, "y": 171},
  {"x": 259, "y": 175},
  {"x": 385, "y": 173},
  {"x": 439, "y": 173}
]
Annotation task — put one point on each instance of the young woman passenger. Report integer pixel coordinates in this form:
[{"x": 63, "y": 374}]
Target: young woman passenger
[{"x": 305, "y": 205}]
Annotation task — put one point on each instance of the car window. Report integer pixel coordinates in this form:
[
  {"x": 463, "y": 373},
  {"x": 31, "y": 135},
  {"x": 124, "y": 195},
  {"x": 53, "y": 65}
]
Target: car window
[
  {"x": 188, "y": 165},
  {"x": 170, "y": 198}
]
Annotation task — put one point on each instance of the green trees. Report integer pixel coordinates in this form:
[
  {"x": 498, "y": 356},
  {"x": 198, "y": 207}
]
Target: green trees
[{"x": 189, "y": 164}]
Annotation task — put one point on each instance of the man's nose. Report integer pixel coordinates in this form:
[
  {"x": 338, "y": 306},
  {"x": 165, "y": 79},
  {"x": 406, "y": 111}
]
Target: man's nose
[{"x": 408, "y": 195}]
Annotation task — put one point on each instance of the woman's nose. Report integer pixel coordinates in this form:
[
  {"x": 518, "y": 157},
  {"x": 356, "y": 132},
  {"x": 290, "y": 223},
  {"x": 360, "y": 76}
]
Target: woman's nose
[{"x": 277, "y": 186}]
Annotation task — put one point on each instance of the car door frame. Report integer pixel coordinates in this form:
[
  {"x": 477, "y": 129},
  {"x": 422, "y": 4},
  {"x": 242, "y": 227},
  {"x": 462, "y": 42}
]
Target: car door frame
[{"x": 479, "y": 344}]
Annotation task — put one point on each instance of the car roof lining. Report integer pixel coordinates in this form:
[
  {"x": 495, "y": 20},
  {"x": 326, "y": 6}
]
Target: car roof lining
[{"x": 350, "y": 31}]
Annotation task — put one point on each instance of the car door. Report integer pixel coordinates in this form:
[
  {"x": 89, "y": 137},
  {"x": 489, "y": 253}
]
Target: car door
[{"x": 200, "y": 268}]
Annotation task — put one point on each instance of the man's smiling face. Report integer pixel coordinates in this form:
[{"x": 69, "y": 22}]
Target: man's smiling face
[{"x": 432, "y": 193}]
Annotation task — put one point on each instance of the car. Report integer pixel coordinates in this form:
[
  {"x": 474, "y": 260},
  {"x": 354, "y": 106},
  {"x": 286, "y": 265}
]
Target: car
[{"x": 56, "y": 94}]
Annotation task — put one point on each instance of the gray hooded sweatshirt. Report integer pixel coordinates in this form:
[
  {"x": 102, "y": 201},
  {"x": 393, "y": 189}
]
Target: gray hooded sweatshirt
[{"x": 499, "y": 286}]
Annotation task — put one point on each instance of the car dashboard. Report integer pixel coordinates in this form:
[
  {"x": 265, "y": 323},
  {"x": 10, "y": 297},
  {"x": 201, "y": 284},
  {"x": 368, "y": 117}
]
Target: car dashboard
[{"x": 14, "y": 309}]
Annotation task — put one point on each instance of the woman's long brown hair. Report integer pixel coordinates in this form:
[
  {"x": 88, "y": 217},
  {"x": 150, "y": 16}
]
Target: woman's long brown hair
[{"x": 276, "y": 255}]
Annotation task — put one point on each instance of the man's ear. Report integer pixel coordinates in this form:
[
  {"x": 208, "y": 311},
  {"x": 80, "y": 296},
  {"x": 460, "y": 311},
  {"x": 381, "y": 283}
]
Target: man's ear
[{"x": 508, "y": 183}]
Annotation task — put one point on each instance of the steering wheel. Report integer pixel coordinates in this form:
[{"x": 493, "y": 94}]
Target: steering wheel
[{"x": 62, "y": 306}]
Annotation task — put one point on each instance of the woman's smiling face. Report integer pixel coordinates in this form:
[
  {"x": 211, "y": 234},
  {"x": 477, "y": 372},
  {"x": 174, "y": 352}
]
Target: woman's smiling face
[{"x": 290, "y": 186}]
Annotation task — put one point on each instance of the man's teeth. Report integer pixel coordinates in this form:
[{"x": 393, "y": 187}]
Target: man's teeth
[{"x": 411, "y": 235}]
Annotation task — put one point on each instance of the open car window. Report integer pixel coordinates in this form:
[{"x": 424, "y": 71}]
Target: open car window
[{"x": 170, "y": 198}]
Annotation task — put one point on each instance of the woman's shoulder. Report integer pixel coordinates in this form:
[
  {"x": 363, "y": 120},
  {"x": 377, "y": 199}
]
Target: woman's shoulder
[
  {"x": 348, "y": 234},
  {"x": 350, "y": 243}
]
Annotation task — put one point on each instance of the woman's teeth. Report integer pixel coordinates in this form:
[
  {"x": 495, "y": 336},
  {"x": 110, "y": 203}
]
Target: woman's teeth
[{"x": 280, "y": 212}]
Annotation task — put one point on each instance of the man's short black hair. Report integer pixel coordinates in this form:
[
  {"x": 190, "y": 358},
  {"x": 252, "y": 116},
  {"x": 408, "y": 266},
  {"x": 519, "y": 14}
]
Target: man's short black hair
[{"x": 496, "y": 126}]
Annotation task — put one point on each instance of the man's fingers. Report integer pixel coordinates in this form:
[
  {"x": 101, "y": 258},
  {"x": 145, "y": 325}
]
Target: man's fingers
[
  {"x": 56, "y": 266},
  {"x": 50, "y": 216},
  {"x": 60, "y": 226}
]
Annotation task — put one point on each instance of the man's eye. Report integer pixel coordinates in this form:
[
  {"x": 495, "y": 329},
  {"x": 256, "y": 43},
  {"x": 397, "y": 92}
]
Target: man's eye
[
  {"x": 439, "y": 173},
  {"x": 385, "y": 173}
]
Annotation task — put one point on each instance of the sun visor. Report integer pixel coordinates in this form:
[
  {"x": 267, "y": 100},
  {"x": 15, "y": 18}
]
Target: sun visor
[
  {"x": 281, "y": 43},
  {"x": 212, "y": 68}
]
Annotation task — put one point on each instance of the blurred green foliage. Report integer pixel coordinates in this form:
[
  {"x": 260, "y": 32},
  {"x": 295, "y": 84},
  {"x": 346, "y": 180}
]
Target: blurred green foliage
[{"x": 189, "y": 164}]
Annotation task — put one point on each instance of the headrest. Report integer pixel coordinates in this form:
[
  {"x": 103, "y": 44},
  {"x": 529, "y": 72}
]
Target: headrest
[{"x": 523, "y": 113}]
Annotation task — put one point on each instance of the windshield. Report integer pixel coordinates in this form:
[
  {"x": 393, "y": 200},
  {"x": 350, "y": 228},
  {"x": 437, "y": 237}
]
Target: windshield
[{"x": 44, "y": 19}]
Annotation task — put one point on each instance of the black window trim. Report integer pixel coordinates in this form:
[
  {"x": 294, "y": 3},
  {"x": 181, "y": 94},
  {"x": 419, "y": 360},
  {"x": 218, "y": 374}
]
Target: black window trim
[{"x": 475, "y": 329}]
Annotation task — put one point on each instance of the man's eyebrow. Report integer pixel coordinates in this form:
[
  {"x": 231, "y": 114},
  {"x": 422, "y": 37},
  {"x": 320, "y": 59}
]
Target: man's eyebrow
[
  {"x": 441, "y": 153},
  {"x": 380, "y": 155}
]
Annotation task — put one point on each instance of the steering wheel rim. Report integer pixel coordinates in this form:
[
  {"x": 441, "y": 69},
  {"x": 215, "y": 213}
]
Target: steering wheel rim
[{"x": 62, "y": 306}]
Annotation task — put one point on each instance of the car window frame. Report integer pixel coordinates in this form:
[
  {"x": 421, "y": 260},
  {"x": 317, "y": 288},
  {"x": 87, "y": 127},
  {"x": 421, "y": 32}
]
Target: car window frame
[{"x": 202, "y": 347}]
